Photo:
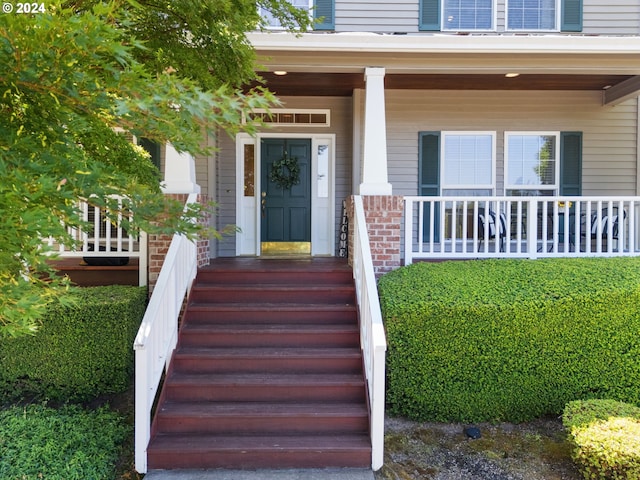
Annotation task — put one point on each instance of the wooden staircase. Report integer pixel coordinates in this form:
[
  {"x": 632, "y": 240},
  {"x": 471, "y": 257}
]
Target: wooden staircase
[{"x": 267, "y": 372}]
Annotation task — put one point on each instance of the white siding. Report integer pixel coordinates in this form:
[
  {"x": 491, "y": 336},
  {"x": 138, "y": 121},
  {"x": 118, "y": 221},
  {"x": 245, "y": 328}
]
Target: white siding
[
  {"x": 341, "y": 126},
  {"x": 609, "y": 133}
]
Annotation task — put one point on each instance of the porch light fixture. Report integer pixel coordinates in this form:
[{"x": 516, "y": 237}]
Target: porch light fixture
[
  {"x": 280, "y": 72},
  {"x": 512, "y": 75}
]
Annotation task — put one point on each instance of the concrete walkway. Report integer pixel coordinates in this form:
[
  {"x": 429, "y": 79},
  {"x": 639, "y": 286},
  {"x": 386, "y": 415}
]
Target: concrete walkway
[{"x": 302, "y": 474}]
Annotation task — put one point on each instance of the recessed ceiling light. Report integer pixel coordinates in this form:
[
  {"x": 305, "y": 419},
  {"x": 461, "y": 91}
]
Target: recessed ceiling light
[
  {"x": 512, "y": 75},
  {"x": 280, "y": 72}
]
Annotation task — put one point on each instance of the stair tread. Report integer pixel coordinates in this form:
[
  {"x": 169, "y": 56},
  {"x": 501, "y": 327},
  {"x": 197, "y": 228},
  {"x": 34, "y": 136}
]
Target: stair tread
[
  {"x": 262, "y": 409},
  {"x": 273, "y": 286},
  {"x": 265, "y": 378},
  {"x": 268, "y": 328},
  {"x": 263, "y": 352},
  {"x": 292, "y": 306},
  {"x": 204, "y": 442}
]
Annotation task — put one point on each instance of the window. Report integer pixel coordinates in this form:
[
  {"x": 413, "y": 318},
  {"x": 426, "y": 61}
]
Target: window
[
  {"x": 467, "y": 15},
  {"x": 521, "y": 15},
  {"x": 532, "y": 14},
  {"x": 273, "y": 22},
  {"x": 532, "y": 163},
  {"x": 322, "y": 10},
  {"x": 468, "y": 160}
]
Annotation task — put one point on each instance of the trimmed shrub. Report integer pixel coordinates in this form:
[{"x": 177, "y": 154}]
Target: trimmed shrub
[
  {"x": 605, "y": 435},
  {"x": 37, "y": 442},
  {"x": 510, "y": 340},
  {"x": 80, "y": 351}
]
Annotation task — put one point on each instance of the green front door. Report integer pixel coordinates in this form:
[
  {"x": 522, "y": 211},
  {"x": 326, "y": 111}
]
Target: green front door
[{"x": 286, "y": 196}]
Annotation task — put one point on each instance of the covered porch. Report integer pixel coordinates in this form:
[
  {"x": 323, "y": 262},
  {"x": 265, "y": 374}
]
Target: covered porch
[{"x": 456, "y": 227}]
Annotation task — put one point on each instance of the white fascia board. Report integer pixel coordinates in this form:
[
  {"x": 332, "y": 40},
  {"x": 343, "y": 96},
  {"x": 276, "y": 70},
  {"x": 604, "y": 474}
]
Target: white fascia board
[{"x": 491, "y": 44}]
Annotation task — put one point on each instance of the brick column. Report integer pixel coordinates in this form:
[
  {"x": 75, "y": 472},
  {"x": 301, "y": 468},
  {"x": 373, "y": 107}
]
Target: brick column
[
  {"x": 158, "y": 245},
  {"x": 383, "y": 215}
]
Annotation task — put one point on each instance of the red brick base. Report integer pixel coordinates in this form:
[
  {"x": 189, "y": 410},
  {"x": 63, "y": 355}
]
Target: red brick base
[
  {"x": 158, "y": 246},
  {"x": 383, "y": 215}
]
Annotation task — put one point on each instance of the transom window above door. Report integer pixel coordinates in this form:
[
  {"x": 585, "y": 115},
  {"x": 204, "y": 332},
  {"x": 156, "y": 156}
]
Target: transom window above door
[
  {"x": 532, "y": 15},
  {"x": 468, "y": 15}
]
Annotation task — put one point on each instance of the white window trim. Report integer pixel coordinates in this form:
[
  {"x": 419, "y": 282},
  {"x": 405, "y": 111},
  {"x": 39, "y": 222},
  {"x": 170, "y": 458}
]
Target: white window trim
[
  {"x": 494, "y": 19},
  {"x": 557, "y": 20},
  {"x": 554, "y": 188},
  {"x": 445, "y": 186}
]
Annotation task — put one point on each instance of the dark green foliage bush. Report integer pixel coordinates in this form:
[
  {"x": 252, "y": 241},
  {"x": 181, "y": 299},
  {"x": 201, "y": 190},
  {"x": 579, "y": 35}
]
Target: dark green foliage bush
[
  {"x": 80, "y": 351},
  {"x": 510, "y": 339},
  {"x": 69, "y": 443},
  {"x": 605, "y": 435}
]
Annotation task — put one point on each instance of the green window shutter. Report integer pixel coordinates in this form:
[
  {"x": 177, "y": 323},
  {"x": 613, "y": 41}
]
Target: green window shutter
[
  {"x": 430, "y": 15},
  {"x": 570, "y": 163},
  {"x": 153, "y": 148},
  {"x": 324, "y": 10},
  {"x": 571, "y": 14},
  {"x": 429, "y": 176}
]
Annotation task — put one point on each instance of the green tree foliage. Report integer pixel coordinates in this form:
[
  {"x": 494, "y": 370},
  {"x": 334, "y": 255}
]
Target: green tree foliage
[{"x": 163, "y": 70}]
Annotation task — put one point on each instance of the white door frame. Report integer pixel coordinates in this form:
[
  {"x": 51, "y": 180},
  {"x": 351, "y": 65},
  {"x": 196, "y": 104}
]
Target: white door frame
[{"x": 248, "y": 210}]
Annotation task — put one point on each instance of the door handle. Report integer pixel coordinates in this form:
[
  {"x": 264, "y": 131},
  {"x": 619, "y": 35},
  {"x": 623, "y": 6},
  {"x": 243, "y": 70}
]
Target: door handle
[{"x": 263, "y": 202}]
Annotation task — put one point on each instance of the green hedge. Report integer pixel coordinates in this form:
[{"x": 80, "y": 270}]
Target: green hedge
[
  {"x": 605, "y": 435},
  {"x": 80, "y": 351},
  {"x": 510, "y": 339}
]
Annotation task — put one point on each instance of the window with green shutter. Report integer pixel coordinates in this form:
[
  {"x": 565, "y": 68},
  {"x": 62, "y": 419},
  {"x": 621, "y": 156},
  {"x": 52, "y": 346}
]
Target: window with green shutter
[
  {"x": 429, "y": 177},
  {"x": 324, "y": 12}
]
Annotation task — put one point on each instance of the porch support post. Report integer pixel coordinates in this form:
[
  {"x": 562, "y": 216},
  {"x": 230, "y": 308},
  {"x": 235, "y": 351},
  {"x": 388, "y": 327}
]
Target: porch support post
[
  {"x": 179, "y": 172},
  {"x": 374, "y": 168}
]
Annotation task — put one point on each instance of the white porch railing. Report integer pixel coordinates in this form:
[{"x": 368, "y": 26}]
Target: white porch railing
[
  {"x": 520, "y": 227},
  {"x": 372, "y": 335},
  {"x": 158, "y": 334},
  {"x": 104, "y": 238}
]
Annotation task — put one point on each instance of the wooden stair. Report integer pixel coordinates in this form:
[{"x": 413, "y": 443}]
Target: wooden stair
[{"x": 267, "y": 372}]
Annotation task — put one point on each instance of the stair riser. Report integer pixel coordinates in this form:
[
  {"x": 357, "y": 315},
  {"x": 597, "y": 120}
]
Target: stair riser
[
  {"x": 268, "y": 365},
  {"x": 262, "y": 316},
  {"x": 259, "y": 459},
  {"x": 274, "y": 295},
  {"x": 271, "y": 393},
  {"x": 275, "y": 278},
  {"x": 264, "y": 425},
  {"x": 276, "y": 339}
]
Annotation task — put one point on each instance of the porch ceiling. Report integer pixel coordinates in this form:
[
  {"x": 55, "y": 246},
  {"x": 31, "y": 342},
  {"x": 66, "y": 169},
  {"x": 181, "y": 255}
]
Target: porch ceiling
[
  {"x": 334, "y": 64},
  {"x": 343, "y": 84}
]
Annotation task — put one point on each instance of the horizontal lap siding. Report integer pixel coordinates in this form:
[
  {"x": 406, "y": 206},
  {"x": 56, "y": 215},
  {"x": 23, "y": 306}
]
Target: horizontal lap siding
[
  {"x": 341, "y": 121},
  {"x": 377, "y": 16},
  {"x": 609, "y": 133},
  {"x": 611, "y": 17}
]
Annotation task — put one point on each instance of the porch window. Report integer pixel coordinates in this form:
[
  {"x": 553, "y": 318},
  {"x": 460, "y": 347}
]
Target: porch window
[
  {"x": 468, "y": 15},
  {"x": 468, "y": 160},
  {"x": 532, "y": 15},
  {"x": 532, "y": 163}
]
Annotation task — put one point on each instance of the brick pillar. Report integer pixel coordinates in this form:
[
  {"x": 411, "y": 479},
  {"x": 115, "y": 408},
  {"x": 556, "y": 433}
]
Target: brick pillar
[
  {"x": 158, "y": 246},
  {"x": 383, "y": 215}
]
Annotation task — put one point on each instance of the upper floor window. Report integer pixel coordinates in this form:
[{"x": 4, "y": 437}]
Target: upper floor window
[
  {"x": 468, "y": 15},
  {"x": 479, "y": 15},
  {"x": 273, "y": 22},
  {"x": 532, "y": 14}
]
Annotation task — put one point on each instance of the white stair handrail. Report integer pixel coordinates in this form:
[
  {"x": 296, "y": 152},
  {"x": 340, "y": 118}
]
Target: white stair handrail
[
  {"x": 372, "y": 335},
  {"x": 158, "y": 334}
]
